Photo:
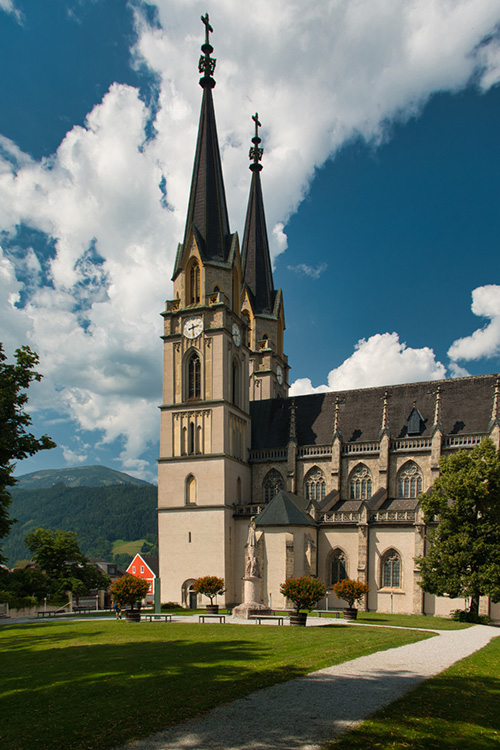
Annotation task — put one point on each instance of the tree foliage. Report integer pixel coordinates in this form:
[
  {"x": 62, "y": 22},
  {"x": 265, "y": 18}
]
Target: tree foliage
[
  {"x": 58, "y": 554},
  {"x": 209, "y": 586},
  {"x": 350, "y": 590},
  {"x": 463, "y": 555},
  {"x": 128, "y": 590},
  {"x": 16, "y": 442},
  {"x": 304, "y": 592}
]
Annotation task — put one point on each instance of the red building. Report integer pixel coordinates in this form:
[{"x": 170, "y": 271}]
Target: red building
[{"x": 145, "y": 566}]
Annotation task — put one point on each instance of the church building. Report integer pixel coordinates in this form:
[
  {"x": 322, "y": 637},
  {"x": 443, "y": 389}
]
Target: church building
[{"x": 328, "y": 482}]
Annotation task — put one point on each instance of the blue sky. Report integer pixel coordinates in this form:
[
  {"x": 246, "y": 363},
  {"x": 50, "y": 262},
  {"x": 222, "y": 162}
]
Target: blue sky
[{"x": 381, "y": 180}]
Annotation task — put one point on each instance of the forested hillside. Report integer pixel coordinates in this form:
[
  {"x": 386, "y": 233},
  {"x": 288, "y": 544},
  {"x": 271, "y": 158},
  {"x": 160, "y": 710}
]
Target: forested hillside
[
  {"x": 99, "y": 515},
  {"x": 81, "y": 476}
]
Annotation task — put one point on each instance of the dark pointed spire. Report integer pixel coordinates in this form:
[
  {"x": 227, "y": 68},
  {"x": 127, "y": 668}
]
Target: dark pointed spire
[
  {"x": 256, "y": 260},
  {"x": 207, "y": 211}
]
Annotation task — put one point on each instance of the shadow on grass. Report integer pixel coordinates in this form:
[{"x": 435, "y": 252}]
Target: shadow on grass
[
  {"x": 450, "y": 712},
  {"x": 113, "y": 685}
]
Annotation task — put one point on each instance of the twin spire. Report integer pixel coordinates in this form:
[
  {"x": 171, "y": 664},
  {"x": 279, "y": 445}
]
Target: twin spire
[{"x": 207, "y": 215}]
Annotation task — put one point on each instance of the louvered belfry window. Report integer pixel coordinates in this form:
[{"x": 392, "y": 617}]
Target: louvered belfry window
[{"x": 194, "y": 377}]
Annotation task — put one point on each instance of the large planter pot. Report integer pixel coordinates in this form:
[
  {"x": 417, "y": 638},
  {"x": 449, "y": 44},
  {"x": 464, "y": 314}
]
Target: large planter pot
[
  {"x": 132, "y": 615},
  {"x": 298, "y": 620},
  {"x": 212, "y": 609},
  {"x": 350, "y": 613}
]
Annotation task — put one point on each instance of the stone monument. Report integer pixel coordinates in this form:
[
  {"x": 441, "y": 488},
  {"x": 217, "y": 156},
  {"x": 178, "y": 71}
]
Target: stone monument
[{"x": 251, "y": 581}]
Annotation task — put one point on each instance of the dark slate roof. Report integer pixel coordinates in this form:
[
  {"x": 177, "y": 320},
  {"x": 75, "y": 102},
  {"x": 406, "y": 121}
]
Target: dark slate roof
[
  {"x": 207, "y": 211},
  {"x": 255, "y": 258},
  {"x": 153, "y": 563},
  {"x": 465, "y": 407},
  {"x": 285, "y": 509}
]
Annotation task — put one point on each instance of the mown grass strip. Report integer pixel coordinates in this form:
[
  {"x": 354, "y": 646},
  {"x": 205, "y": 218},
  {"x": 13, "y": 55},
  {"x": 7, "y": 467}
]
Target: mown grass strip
[
  {"x": 457, "y": 710},
  {"x": 97, "y": 684}
]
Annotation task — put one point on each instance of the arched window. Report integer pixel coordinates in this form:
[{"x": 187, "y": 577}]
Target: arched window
[
  {"x": 409, "y": 481},
  {"x": 361, "y": 483},
  {"x": 391, "y": 570},
  {"x": 235, "y": 383},
  {"x": 315, "y": 485},
  {"x": 273, "y": 483},
  {"x": 194, "y": 284},
  {"x": 190, "y": 490},
  {"x": 338, "y": 566},
  {"x": 191, "y": 438},
  {"x": 194, "y": 377}
]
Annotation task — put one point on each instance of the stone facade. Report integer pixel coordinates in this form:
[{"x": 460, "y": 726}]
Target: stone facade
[{"x": 329, "y": 481}]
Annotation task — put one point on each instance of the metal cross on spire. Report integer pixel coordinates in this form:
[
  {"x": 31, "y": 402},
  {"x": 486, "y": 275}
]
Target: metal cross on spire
[
  {"x": 206, "y": 65},
  {"x": 208, "y": 29},
  {"x": 255, "y": 152}
]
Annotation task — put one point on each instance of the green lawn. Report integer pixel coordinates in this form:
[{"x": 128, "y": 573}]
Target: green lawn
[
  {"x": 129, "y": 680},
  {"x": 457, "y": 710},
  {"x": 411, "y": 621}
]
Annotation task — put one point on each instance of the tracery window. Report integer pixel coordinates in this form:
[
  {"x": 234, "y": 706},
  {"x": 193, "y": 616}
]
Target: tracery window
[
  {"x": 361, "y": 483},
  {"x": 273, "y": 483},
  {"x": 391, "y": 570},
  {"x": 315, "y": 485},
  {"x": 194, "y": 377},
  {"x": 194, "y": 283},
  {"x": 409, "y": 481},
  {"x": 338, "y": 566}
]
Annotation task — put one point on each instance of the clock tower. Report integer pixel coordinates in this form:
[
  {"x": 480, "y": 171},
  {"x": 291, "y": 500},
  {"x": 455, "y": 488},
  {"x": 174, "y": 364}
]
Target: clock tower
[{"x": 205, "y": 422}]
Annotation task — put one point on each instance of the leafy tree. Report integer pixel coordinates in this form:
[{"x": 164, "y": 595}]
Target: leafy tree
[
  {"x": 463, "y": 556},
  {"x": 209, "y": 586},
  {"x": 350, "y": 590},
  {"x": 304, "y": 592},
  {"x": 58, "y": 554},
  {"x": 23, "y": 587},
  {"x": 128, "y": 590},
  {"x": 16, "y": 442}
]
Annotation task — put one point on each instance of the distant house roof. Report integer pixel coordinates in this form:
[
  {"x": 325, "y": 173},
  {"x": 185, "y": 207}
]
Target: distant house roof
[
  {"x": 465, "y": 408},
  {"x": 152, "y": 562}
]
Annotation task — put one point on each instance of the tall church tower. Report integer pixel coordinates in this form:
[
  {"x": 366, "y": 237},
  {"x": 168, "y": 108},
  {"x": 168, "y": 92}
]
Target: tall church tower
[
  {"x": 205, "y": 422},
  {"x": 262, "y": 305}
]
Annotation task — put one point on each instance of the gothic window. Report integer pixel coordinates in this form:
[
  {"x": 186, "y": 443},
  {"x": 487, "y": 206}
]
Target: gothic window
[
  {"x": 315, "y": 485},
  {"x": 409, "y": 481},
  {"x": 194, "y": 377},
  {"x": 191, "y": 438},
  {"x": 339, "y": 566},
  {"x": 391, "y": 570},
  {"x": 273, "y": 483},
  {"x": 235, "y": 383},
  {"x": 190, "y": 490},
  {"x": 194, "y": 283},
  {"x": 361, "y": 483}
]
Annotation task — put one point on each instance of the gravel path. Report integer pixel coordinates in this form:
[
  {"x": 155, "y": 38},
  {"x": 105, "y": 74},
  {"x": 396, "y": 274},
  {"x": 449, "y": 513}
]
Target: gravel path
[{"x": 306, "y": 712}]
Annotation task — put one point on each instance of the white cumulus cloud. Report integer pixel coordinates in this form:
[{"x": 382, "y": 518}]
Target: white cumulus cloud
[
  {"x": 484, "y": 342},
  {"x": 318, "y": 74},
  {"x": 380, "y": 360}
]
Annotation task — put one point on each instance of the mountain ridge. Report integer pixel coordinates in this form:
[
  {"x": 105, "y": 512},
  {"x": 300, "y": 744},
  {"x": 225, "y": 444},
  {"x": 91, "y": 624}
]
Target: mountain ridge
[{"x": 80, "y": 476}]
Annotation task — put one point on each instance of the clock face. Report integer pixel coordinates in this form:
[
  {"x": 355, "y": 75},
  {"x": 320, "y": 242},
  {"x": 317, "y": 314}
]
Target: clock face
[
  {"x": 236, "y": 335},
  {"x": 193, "y": 327},
  {"x": 279, "y": 374}
]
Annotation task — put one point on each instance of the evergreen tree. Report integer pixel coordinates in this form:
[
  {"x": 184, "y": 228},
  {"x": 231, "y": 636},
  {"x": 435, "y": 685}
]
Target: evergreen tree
[
  {"x": 15, "y": 441},
  {"x": 463, "y": 555}
]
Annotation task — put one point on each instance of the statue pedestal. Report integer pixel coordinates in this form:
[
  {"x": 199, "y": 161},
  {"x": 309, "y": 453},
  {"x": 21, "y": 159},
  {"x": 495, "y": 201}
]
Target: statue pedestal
[{"x": 251, "y": 592}]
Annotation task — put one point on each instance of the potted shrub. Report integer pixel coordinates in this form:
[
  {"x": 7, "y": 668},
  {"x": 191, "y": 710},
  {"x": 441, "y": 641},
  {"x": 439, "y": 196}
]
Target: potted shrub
[
  {"x": 209, "y": 586},
  {"x": 128, "y": 591},
  {"x": 350, "y": 591},
  {"x": 304, "y": 592}
]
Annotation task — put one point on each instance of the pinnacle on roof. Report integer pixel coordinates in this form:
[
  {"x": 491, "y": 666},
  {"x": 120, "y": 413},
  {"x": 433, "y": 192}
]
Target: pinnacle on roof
[
  {"x": 256, "y": 260},
  {"x": 207, "y": 213}
]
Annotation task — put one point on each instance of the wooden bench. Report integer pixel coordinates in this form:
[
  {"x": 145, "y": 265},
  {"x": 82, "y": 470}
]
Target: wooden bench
[
  {"x": 335, "y": 612},
  {"x": 47, "y": 613},
  {"x": 160, "y": 617},
  {"x": 259, "y": 618},
  {"x": 220, "y": 618}
]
